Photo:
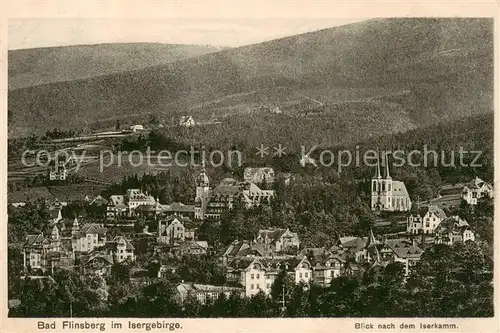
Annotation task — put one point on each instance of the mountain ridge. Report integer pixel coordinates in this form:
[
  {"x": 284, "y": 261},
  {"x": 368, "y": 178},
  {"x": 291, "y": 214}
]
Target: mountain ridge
[{"x": 409, "y": 55}]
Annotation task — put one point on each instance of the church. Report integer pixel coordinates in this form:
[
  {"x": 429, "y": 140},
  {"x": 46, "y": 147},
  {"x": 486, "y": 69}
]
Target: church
[{"x": 388, "y": 194}]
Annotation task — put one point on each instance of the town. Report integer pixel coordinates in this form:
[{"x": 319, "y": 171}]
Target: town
[
  {"x": 332, "y": 169},
  {"x": 121, "y": 237}
]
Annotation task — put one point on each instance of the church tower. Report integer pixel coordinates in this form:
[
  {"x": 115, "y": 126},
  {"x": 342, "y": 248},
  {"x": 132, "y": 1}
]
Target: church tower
[
  {"x": 387, "y": 187},
  {"x": 75, "y": 230},
  {"x": 202, "y": 190},
  {"x": 377, "y": 187},
  {"x": 55, "y": 239},
  {"x": 382, "y": 187}
]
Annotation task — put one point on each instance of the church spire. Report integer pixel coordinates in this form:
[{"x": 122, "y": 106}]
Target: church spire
[
  {"x": 387, "y": 175},
  {"x": 371, "y": 239},
  {"x": 377, "y": 172},
  {"x": 75, "y": 222}
]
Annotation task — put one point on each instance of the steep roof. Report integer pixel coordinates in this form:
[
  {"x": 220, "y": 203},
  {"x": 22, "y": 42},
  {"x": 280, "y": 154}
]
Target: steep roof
[
  {"x": 241, "y": 263},
  {"x": 404, "y": 249},
  {"x": 97, "y": 256},
  {"x": 92, "y": 228},
  {"x": 34, "y": 240},
  {"x": 399, "y": 189},
  {"x": 433, "y": 210},
  {"x": 272, "y": 234},
  {"x": 196, "y": 287},
  {"x": 117, "y": 200},
  {"x": 453, "y": 223},
  {"x": 128, "y": 244}
]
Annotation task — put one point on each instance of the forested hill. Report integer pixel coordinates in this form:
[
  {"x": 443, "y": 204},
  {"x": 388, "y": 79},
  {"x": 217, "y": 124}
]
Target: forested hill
[
  {"x": 36, "y": 66},
  {"x": 405, "y": 71}
]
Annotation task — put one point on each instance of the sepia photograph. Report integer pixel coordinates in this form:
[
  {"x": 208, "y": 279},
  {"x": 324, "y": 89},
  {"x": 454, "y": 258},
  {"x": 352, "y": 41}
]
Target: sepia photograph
[{"x": 250, "y": 168}]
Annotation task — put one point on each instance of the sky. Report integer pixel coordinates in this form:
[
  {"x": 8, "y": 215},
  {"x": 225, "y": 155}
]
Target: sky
[{"x": 42, "y": 32}]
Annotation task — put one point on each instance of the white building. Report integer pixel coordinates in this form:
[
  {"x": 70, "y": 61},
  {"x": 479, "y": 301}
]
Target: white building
[
  {"x": 452, "y": 230},
  {"x": 212, "y": 202},
  {"x": 425, "y": 220},
  {"x": 476, "y": 189},
  {"x": 258, "y": 274},
  {"x": 136, "y": 128},
  {"x": 171, "y": 231},
  {"x": 187, "y": 121},
  {"x": 123, "y": 249},
  {"x": 388, "y": 194},
  {"x": 205, "y": 293},
  {"x": 119, "y": 205},
  {"x": 87, "y": 238},
  {"x": 58, "y": 171},
  {"x": 278, "y": 240}
]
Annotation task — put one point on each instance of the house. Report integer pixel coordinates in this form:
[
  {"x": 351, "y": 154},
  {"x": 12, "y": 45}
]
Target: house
[
  {"x": 388, "y": 194},
  {"x": 255, "y": 196},
  {"x": 136, "y": 128},
  {"x": 476, "y": 189},
  {"x": 249, "y": 273},
  {"x": 96, "y": 264},
  {"x": 278, "y": 240},
  {"x": 327, "y": 268},
  {"x": 116, "y": 206},
  {"x": 35, "y": 250},
  {"x": 166, "y": 270},
  {"x": 210, "y": 203},
  {"x": 259, "y": 175},
  {"x": 135, "y": 198},
  {"x": 122, "y": 249},
  {"x": 193, "y": 248},
  {"x": 350, "y": 247},
  {"x": 98, "y": 201},
  {"x": 258, "y": 274},
  {"x": 87, "y": 238},
  {"x": 404, "y": 251},
  {"x": 205, "y": 293},
  {"x": 425, "y": 220},
  {"x": 452, "y": 230},
  {"x": 171, "y": 230},
  {"x": 58, "y": 171},
  {"x": 121, "y": 205},
  {"x": 241, "y": 248},
  {"x": 187, "y": 121},
  {"x": 46, "y": 253},
  {"x": 300, "y": 269}
]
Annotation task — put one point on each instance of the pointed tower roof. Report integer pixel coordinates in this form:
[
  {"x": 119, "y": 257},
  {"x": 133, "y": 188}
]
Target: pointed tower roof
[
  {"x": 55, "y": 232},
  {"x": 371, "y": 240},
  {"x": 377, "y": 171},
  {"x": 75, "y": 222},
  {"x": 387, "y": 175},
  {"x": 202, "y": 178}
]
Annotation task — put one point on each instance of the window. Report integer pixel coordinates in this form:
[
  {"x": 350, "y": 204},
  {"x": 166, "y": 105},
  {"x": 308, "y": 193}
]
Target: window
[
  {"x": 300, "y": 275},
  {"x": 306, "y": 275},
  {"x": 252, "y": 276},
  {"x": 258, "y": 276},
  {"x": 258, "y": 286},
  {"x": 251, "y": 286},
  {"x": 268, "y": 285}
]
